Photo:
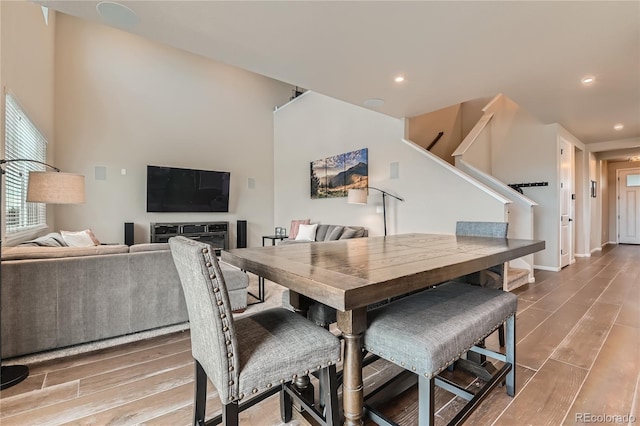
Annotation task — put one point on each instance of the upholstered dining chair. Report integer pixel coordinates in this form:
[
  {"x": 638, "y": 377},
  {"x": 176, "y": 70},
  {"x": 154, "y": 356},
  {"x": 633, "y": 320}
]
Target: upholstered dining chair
[
  {"x": 253, "y": 357},
  {"x": 494, "y": 276}
]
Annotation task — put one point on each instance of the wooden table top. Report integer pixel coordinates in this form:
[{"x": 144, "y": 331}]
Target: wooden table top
[{"x": 353, "y": 273}]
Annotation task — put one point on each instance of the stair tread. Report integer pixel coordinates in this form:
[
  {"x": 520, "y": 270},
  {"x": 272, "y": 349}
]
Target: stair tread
[{"x": 514, "y": 273}]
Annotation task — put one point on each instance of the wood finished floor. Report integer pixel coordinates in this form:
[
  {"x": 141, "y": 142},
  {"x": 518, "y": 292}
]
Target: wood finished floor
[{"x": 578, "y": 336}]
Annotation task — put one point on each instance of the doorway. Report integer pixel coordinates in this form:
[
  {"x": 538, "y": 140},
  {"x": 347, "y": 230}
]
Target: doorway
[
  {"x": 628, "y": 183},
  {"x": 566, "y": 203}
]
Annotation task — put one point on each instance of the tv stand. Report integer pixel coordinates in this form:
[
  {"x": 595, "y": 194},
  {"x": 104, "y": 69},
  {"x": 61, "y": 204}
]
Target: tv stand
[{"x": 214, "y": 233}]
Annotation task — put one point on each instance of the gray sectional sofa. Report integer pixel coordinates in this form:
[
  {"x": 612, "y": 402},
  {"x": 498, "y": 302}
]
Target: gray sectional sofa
[
  {"x": 55, "y": 297},
  {"x": 331, "y": 233}
]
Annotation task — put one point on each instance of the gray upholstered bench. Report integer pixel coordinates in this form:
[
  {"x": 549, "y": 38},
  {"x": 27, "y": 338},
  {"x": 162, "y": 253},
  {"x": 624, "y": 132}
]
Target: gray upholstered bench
[{"x": 426, "y": 332}]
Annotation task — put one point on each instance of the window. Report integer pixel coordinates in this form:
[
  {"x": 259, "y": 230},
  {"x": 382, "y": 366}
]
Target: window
[
  {"x": 633, "y": 180},
  {"x": 22, "y": 141}
]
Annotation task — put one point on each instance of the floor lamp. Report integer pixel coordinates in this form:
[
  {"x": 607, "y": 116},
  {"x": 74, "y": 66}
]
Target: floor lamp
[
  {"x": 44, "y": 187},
  {"x": 359, "y": 196}
]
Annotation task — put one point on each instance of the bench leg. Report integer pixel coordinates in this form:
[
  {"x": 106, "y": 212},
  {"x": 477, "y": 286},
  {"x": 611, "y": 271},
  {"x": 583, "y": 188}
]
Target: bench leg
[
  {"x": 426, "y": 401},
  {"x": 511, "y": 354}
]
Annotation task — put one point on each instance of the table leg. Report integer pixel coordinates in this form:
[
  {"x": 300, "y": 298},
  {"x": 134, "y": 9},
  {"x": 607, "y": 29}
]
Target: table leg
[
  {"x": 352, "y": 324},
  {"x": 260, "y": 296}
]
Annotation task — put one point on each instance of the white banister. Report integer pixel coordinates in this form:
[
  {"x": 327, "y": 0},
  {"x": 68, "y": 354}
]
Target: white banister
[
  {"x": 437, "y": 160},
  {"x": 473, "y": 135}
]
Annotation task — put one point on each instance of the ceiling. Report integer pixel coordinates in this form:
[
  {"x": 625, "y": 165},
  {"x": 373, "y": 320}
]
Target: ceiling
[{"x": 452, "y": 51}]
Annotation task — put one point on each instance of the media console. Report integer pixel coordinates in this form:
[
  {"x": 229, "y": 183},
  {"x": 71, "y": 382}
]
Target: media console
[{"x": 214, "y": 233}]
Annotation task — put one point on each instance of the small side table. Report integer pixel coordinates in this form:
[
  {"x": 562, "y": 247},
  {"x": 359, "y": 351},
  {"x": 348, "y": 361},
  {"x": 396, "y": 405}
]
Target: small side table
[
  {"x": 260, "y": 295},
  {"x": 273, "y": 238}
]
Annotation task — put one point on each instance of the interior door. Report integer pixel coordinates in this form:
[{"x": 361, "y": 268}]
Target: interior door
[
  {"x": 629, "y": 206},
  {"x": 566, "y": 190}
]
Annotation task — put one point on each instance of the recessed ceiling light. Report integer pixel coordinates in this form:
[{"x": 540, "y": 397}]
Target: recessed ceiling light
[
  {"x": 373, "y": 102},
  {"x": 117, "y": 15},
  {"x": 618, "y": 126},
  {"x": 399, "y": 79},
  {"x": 588, "y": 80}
]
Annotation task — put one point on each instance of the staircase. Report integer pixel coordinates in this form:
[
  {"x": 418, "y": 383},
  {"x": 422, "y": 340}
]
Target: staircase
[
  {"x": 473, "y": 156},
  {"x": 516, "y": 277}
]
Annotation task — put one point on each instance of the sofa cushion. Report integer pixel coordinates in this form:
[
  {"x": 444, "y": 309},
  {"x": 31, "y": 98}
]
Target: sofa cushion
[
  {"x": 333, "y": 233},
  {"x": 352, "y": 232},
  {"x": 20, "y": 253},
  {"x": 321, "y": 232},
  {"x": 136, "y": 248},
  {"x": 328, "y": 232}
]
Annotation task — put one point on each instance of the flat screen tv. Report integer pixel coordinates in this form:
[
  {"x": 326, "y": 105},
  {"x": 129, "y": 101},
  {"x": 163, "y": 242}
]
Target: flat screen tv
[{"x": 170, "y": 189}]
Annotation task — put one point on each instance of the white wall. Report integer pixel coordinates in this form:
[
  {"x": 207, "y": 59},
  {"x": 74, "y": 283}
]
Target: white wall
[
  {"x": 525, "y": 150},
  {"x": 315, "y": 126},
  {"x": 123, "y": 102},
  {"x": 26, "y": 71},
  {"x": 423, "y": 129}
]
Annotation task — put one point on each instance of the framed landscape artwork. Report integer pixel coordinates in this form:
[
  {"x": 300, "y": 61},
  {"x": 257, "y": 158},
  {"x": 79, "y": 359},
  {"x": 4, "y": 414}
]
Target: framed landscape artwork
[{"x": 334, "y": 176}]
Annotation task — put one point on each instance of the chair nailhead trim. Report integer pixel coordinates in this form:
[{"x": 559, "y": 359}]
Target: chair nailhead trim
[
  {"x": 254, "y": 390},
  {"x": 281, "y": 381},
  {"x": 269, "y": 385},
  {"x": 225, "y": 328},
  {"x": 295, "y": 376}
]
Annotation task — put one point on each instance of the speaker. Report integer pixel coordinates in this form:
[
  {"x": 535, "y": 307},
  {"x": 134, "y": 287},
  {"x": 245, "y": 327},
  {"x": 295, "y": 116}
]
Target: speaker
[
  {"x": 242, "y": 234},
  {"x": 128, "y": 233}
]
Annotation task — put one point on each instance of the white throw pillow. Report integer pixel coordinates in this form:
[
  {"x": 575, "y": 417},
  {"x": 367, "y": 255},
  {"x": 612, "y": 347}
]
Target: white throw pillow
[
  {"x": 80, "y": 238},
  {"x": 307, "y": 232}
]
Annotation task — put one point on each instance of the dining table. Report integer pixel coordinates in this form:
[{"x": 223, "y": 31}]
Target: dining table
[{"x": 351, "y": 274}]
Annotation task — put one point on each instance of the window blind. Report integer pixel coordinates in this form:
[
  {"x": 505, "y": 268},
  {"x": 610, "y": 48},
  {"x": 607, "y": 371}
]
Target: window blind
[{"x": 22, "y": 141}]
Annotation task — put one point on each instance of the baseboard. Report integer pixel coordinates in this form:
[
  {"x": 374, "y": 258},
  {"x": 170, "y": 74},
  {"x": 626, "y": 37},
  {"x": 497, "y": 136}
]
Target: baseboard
[
  {"x": 596, "y": 249},
  {"x": 615, "y": 243},
  {"x": 582, "y": 255},
  {"x": 547, "y": 268}
]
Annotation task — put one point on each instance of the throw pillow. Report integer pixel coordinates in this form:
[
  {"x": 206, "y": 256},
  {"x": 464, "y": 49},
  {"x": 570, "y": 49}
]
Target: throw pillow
[
  {"x": 334, "y": 233},
  {"x": 352, "y": 233},
  {"x": 307, "y": 232},
  {"x": 80, "y": 238},
  {"x": 293, "y": 231}
]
